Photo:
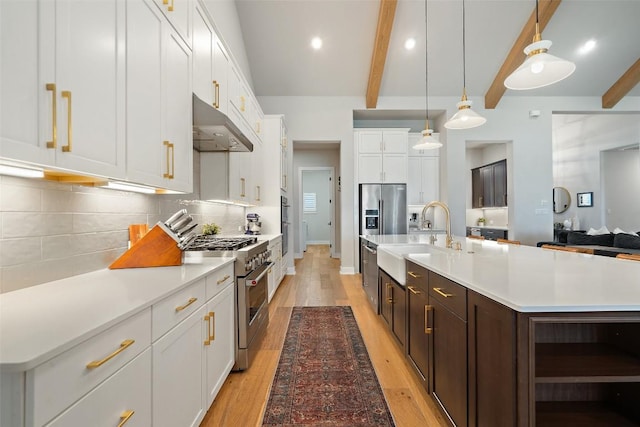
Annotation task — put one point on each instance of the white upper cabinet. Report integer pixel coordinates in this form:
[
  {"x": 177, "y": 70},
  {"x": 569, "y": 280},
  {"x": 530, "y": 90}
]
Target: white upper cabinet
[
  {"x": 382, "y": 155},
  {"x": 221, "y": 75},
  {"x": 159, "y": 135},
  {"x": 179, "y": 14},
  {"x": 423, "y": 183},
  {"x": 204, "y": 84},
  {"x": 63, "y": 84}
]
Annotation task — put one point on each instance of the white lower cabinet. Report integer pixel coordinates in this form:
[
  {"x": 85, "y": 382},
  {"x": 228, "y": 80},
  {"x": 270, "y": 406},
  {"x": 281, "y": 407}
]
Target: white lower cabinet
[
  {"x": 275, "y": 272},
  {"x": 123, "y": 399},
  {"x": 178, "y": 363},
  {"x": 218, "y": 341}
]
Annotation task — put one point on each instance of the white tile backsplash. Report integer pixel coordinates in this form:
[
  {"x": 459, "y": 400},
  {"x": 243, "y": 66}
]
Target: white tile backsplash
[{"x": 51, "y": 230}]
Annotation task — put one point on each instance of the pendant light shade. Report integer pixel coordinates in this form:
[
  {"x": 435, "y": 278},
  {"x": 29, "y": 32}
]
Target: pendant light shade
[
  {"x": 427, "y": 142},
  {"x": 540, "y": 68},
  {"x": 465, "y": 118}
]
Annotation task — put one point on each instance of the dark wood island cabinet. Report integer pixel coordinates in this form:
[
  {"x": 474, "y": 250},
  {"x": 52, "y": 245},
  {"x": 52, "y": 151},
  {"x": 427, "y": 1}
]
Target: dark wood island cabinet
[
  {"x": 393, "y": 306},
  {"x": 489, "y": 365}
]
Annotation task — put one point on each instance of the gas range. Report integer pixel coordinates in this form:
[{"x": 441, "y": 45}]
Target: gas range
[{"x": 249, "y": 253}]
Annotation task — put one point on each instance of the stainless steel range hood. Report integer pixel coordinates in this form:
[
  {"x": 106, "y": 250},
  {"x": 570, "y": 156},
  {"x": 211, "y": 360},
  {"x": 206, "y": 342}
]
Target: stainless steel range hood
[{"x": 214, "y": 131}]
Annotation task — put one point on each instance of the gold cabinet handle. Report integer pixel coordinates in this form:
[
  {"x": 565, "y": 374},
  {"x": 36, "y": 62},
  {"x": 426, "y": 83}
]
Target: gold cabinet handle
[
  {"x": 413, "y": 290},
  {"x": 258, "y": 191},
  {"x": 125, "y": 417},
  {"x": 217, "y": 101},
  {"x": 481, "y": 200},
  {"x": 170, "y": 166},
  {"x": 242, "y": 103},
  {"x": 170, "y": 8},
  {"x": 212, "y": 315},
  {"x": 242, "y": 183},
  {"x": 182, "y": 307},
  {"x": 224, "y": 279},
  {"x": 427, "y": 329},
  {"x": 207, "y": 318},
  {"x": 389, "y": 293},
  {"x": 54, "y": 116},
  {"x": 285, "y": 180},
  {"x": 67, "y": 148},
  {"x": 123, "y": 346},
  {"x": 258, "y": 123},
  {"x": 414, "y": 275},
  {"x": 444, "y": 294}
]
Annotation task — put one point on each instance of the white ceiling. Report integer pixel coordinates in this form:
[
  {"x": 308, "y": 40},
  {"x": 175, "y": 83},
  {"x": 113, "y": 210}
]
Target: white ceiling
[{"x": 277, "y": 36}]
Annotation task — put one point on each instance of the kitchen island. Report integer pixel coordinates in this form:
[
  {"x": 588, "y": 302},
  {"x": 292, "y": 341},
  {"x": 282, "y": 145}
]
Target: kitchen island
[{"x": 506, "y": 335}]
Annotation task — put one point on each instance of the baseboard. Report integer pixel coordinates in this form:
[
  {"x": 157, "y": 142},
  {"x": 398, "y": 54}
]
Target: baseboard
[
  {"x": 337, "y": 256},
  {"x": 298, "y": 256},
  {"x": 291, "y": 271},
  {"x": 347, "y": 270}
]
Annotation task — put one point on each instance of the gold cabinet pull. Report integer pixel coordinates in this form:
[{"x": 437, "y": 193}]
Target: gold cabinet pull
[
  {"x": 170, "y": 8},
  {"x": 216, "y": 103},
  {"x": 182, "y": 307},
  {"x": 212, "y": 314},
  {"x": 170, "y": 165},
  {"x": 67, "y": 148},
  {"x": 441, "y": 292},
  {"x": 389, "y": 293},
  {"x": 285, "y": 180},
  {"x": 414, "y": 275},
  {"x": 413, "y": 290},
  {"x": 242, "y": 107},
  {"x": 207, "y": 318},
  {"x": 125, "y": 417},
  {"x": 123, "y": 346},
  {"x": 258, "y": 123},
  {"x": 427, "y": 329},
  {"x": 242, "y": 183},
  {"x": 54, "y": 116},
  {"x": 258, "y": 191},
  {"x": 224, "y": 279}
]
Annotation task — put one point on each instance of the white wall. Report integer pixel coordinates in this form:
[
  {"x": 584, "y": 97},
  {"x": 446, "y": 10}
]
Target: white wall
[
  {"x": 531, "y": 218},
  {"x": 50, "y": 231},
  {"x": 621, "y": 189},
  {"x": 317, "y": 158},
  {"x": 578, "y": 141}
]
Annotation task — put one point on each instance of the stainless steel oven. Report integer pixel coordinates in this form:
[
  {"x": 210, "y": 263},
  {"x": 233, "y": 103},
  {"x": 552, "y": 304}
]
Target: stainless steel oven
[{"x": 251, "y": 267}]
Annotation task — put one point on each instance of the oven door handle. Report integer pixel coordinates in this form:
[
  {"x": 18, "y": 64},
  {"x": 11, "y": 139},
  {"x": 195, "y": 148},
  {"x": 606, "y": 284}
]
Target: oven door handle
[{"x": 260, "y": 271}]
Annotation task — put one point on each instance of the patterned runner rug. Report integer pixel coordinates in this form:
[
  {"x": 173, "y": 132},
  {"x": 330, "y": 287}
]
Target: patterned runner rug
[{"x": 324, "y": 375}]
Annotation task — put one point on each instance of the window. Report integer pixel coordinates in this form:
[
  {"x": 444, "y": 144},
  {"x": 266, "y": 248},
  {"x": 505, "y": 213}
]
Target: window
[{"x": 309, "y": 203}]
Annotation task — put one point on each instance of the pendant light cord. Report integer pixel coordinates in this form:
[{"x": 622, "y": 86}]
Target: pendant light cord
[
  {"x": 464, "y": 64},
  {"x": 426, "y": 64}
]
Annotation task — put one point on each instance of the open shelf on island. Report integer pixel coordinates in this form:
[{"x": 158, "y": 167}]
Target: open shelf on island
[{"x": 583, "y": 414}]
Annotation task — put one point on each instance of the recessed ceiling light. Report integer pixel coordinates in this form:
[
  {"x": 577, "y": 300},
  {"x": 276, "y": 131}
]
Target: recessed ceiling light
[
  {"x": 587, "y": 47},
  {"x": 410, "y": 43},
  {"x": 316, "y": 43}
]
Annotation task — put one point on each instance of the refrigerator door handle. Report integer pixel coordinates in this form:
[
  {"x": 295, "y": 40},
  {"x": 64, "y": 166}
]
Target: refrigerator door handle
[{"x": 381, "y": 214}]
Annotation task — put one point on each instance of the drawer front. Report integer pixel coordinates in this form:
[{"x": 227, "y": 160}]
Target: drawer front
[
  {"x": 494, "y": 234},
  {"x": 56, "y": 384},
  {"x": 417, "y": 278},
  {"x": 219, "y": 280},
  {"x": 124, "y": 395},
  {"x": 449, "y": 294},
  {"x": 175, "y": 308}
]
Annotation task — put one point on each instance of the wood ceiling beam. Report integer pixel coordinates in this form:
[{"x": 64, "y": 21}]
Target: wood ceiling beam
[
  {"x": 546, "y": 9},
  {"x": 383, "y": 35},
  {"x": 619, "y": 90}
]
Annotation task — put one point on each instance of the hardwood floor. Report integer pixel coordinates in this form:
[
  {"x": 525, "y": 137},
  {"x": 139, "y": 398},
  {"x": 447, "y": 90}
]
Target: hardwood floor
[{"x": 317, "y": 282}]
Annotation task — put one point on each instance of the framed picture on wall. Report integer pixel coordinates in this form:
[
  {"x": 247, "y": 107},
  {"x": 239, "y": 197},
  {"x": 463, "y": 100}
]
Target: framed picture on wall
[{"x": 585, "y": 200}]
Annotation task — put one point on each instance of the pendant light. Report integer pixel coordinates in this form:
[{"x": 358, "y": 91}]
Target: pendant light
[
  {"x": 539, "y": 69},
  {"x": 465, "y": 118},
  {"x": 427, "y": 142}
]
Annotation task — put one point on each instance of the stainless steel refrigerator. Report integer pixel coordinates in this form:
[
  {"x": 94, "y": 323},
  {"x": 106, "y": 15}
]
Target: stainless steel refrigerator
[{"x": 383, "y": 209}]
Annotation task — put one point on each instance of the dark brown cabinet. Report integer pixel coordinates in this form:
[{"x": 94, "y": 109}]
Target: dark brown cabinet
[
  {"x": 492, "y": 367},
  {"x": 489, "y": 185},
  {"x": 418, "y": 330},
  {"x": 393, "y": 306},
  {"x": 448, "y": 356}
]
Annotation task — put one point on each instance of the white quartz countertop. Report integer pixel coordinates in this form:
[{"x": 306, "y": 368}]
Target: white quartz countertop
[
  {"x": 531, "y": 279},
  {"x": 42, "y": 321}
]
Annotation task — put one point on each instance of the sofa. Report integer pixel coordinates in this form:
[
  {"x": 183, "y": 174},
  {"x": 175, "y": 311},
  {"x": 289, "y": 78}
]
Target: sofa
[{"x": 606, "y": 244}]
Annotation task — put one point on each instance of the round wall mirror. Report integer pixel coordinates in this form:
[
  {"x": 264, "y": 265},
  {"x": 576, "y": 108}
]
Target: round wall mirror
[{"x": 561, "y": 199}]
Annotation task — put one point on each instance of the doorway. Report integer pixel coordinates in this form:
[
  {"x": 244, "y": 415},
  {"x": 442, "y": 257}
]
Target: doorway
[{"x": 317, "y": 207}]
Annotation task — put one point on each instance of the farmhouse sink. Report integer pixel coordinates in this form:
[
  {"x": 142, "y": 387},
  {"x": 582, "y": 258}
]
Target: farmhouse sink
[{"x": 391, "y": 258}]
